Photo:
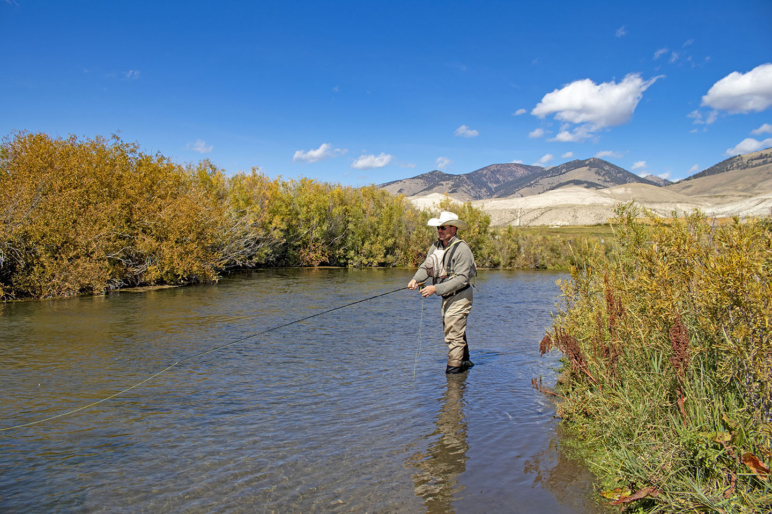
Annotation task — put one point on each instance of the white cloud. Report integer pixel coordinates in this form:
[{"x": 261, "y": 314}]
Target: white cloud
[
  {"x": 673, "y": 57},
  {"x": 567, "y": 155},
  {"x": 519, "y": 112},
  {"x": 698, "y": 120},
  {"x": 659, "y": 53},
  {"x": 443, "y": 162},
  {"x": 687, "y": 43},
  {"x": 665, "y": 175},
  {"x": 323, "y": 152},
  {"x": 749, "y": 145},
  {"x": 591, "y": 106},
  {"x": 621, "y": 31},
  {"x": 336, "y": 89},
  {"x": 764, "y": 129},
  {"x": 639, "y": 165},
  {"x": 200, "y": 146},
  {"x": 694, "y": 168},
  {"x": 517, "y": 161},
  {"x": 547, "y": 158},
  {"x": 407, "y": 165},
  {"x": 581, "y": 133},
  {"x": 131, "y": 74},
  {"x": 607, "y": 153},
  {"x": 742, "y": 93},
  {"x": 465, "y": 131},
  {"x": 367, "y": 162},
  {"x": 693, "y": 131},
  {"x": 536, "y": 133}
]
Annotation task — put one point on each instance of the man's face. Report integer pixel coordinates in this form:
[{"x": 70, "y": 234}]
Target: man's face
[{"x": 446, "y": 233}]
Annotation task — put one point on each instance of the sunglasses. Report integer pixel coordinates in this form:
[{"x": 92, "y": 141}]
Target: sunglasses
[{"x": 443, "y": 228}]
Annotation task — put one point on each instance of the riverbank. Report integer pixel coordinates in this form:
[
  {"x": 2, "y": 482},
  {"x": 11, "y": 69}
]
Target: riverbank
[
  {"x": 90, "y": 216},
  {"x": 667, "y": 364}
]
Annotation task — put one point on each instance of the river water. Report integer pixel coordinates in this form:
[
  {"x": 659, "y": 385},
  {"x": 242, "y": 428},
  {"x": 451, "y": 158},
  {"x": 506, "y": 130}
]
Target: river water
[{"x": 320, "y": 416}]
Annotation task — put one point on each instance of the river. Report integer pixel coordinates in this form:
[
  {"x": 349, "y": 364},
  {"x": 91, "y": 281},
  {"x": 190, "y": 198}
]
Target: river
[{"x": 319, "y": 416}]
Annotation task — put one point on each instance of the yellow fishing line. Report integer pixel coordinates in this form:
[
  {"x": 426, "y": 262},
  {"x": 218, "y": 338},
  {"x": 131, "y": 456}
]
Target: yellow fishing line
[{"x": 200, "y": 354}]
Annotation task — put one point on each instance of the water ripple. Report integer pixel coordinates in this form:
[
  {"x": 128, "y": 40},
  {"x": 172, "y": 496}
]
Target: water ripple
[{"x": 322, "y": 415}]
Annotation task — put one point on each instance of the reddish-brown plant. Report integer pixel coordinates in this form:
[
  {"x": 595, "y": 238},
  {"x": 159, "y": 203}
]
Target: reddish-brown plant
[
  {"x": 567, "y": 344},
  {"x": 545, "y": 344}
]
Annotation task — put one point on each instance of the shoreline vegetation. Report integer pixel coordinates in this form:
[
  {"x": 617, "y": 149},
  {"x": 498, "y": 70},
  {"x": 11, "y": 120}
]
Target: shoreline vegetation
[
  {"x": 90, "y": 216},
  {"x": 667, "y": 364}
]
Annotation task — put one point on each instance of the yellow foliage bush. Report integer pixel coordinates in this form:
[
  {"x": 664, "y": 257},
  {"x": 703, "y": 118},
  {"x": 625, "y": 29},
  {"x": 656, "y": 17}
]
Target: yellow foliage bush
[
  {"x": 668, "y": 360},
  {"x": 92, "y": 215}
]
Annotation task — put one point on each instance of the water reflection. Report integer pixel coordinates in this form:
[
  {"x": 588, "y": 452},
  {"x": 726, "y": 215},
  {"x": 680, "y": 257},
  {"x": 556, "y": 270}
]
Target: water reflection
[
  {"x": 438, "y": 469},
  {"x": 570, "y": 483}
]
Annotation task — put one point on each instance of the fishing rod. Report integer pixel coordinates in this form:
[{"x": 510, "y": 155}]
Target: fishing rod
[{"x": 201, "y": 354}]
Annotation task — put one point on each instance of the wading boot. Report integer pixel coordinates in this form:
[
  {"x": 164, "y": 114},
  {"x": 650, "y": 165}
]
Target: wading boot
[
  {"x": 453, "y": 370},
  {"x": 467, "y": 362}
]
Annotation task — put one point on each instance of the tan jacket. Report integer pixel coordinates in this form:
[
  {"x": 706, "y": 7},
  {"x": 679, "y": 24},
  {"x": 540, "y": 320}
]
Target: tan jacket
[{"x": 460, "y": 268}]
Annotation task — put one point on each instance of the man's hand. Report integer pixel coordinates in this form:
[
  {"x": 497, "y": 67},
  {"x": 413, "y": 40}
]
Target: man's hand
[
  {"x": 413, "y": 284},
  {"x": 427, "y": 291}
]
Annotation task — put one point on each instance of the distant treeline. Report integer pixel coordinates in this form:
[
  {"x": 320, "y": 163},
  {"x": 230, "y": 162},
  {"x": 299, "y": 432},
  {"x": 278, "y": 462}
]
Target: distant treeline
[
  {"x": 667, "y": 369},
  {"x": 80, "y": 216}
]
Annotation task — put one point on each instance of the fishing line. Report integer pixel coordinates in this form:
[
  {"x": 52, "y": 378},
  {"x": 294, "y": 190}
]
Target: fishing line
[
  {"x": 418, "y": 350},
  {"x": 201, "y": 354}
]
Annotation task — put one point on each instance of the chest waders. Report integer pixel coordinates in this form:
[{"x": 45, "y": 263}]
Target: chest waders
[{"x": 456, "y": 363}]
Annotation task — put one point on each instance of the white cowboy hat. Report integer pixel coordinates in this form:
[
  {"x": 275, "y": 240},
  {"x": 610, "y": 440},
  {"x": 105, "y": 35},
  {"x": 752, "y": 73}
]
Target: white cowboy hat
[{"x": 447, "y": 218}]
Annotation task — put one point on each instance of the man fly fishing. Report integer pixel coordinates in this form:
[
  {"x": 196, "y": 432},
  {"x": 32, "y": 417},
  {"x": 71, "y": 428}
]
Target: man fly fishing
[{"x": 450, "y": 264}]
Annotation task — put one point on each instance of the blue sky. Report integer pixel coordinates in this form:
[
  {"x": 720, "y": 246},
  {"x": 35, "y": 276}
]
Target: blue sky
[{"x": 368, "y": 92}]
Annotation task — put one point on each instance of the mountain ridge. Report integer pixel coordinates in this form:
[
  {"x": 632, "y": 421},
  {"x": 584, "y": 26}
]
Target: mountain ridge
[
  {"x": 512, "y": 179},
  {"x": 476, "y": 185},
  {"x": 738, "y": 162},
  {"x": 658, "y": 180}
]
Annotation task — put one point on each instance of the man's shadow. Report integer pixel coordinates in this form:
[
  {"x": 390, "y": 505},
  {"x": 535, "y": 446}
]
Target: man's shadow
[{"x": 436, "y": 478}]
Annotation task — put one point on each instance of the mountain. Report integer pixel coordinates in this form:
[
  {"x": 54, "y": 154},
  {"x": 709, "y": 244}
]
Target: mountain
[
  {"x": 575, "y": 193},
  {"x": 477, "y": 185},
  {"x": 589, "y": 173},
  {"x": 503, "y": 180},
  {"x": 738, "y": 162},
  {"x": 738, "y": 177},
  {"x": 657, "y": 180}
]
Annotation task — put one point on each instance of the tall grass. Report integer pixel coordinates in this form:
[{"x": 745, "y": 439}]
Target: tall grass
[{"x": 667, "y": 368}]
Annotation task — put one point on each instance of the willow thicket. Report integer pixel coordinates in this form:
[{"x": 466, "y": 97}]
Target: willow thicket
[{"x": 81, "y": 216}]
